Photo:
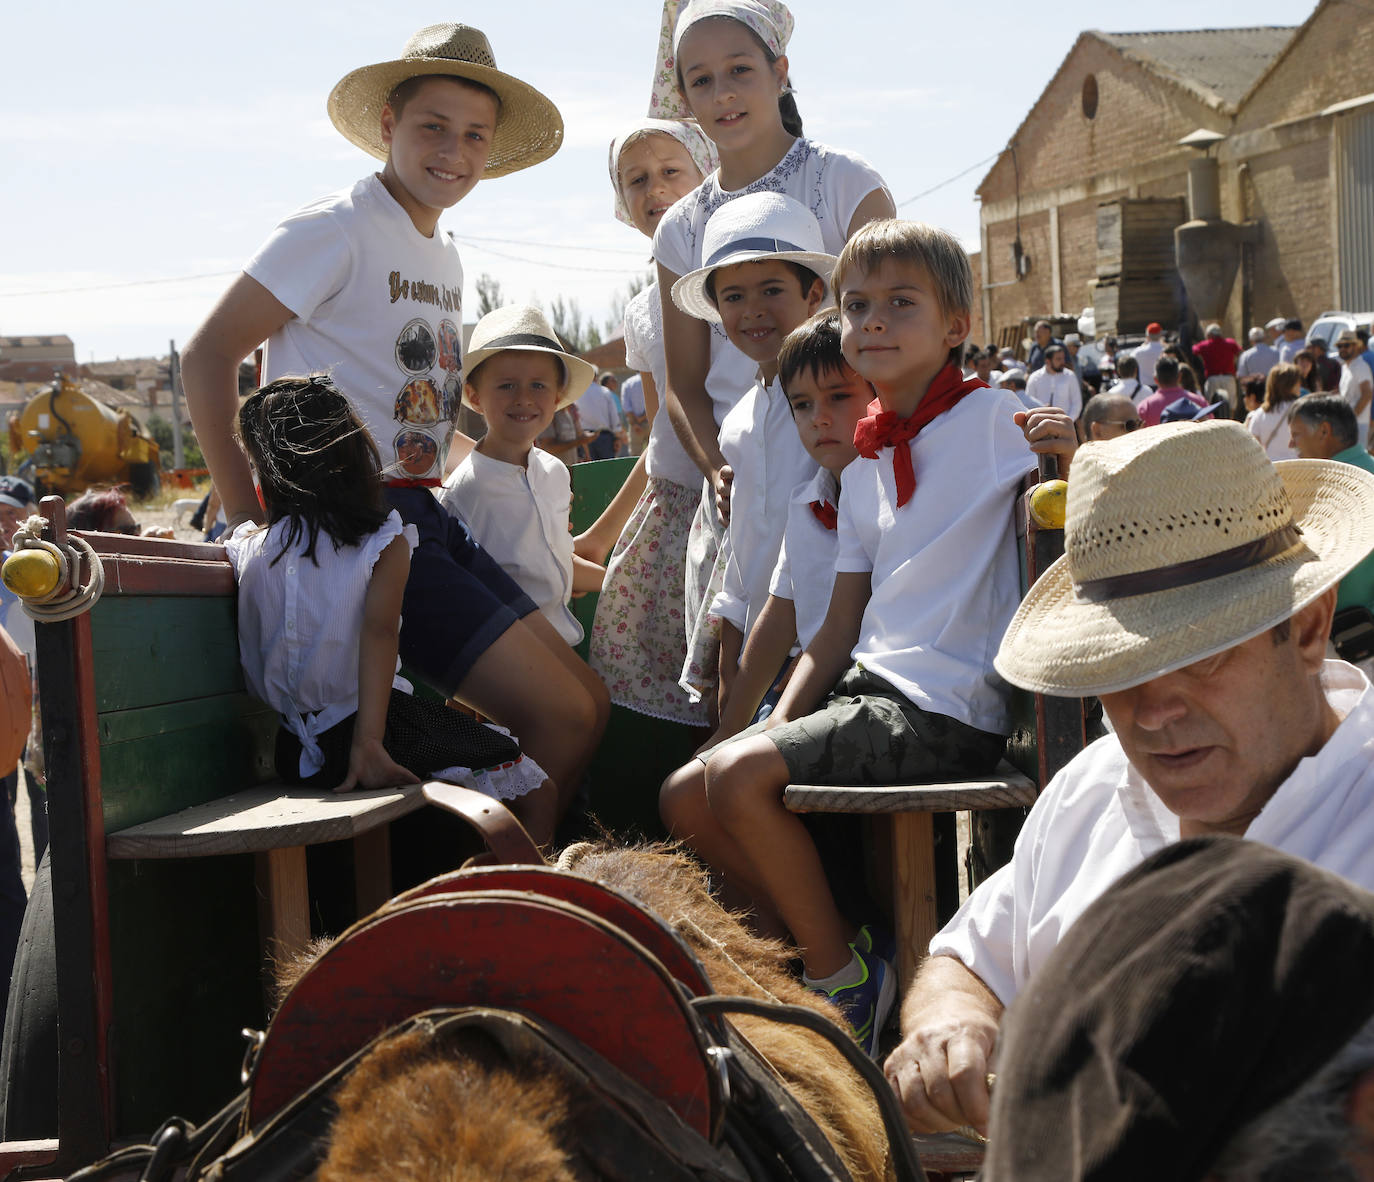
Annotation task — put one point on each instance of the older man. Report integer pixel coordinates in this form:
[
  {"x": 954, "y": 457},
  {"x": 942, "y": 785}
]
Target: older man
[
  {"x": 1218, "y": 354},
  {"x": 1194, "y": 599},
  {"x": 1356, "y": 382},
  {"x": 1259, "y": 358},
  {"x": 1054, "y": 384},
  {"x": 1208, "y": 1018},
  {"x": 1109, "y": 416}
]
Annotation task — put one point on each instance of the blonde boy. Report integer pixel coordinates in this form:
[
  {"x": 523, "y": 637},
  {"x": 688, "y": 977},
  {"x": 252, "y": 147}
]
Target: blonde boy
[
  {"x": 361, "y": 284},
  {"x": 898, "y": 683},
  {"x": 764, "y": 276}
]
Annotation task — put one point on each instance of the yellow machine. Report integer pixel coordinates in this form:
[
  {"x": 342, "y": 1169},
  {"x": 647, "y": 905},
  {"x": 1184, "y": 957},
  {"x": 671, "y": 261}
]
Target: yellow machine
[{"x": 73, "y": 442}]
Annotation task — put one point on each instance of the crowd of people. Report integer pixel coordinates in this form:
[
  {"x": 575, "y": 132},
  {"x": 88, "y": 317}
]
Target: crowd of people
[{"x": 814, "y": 558}]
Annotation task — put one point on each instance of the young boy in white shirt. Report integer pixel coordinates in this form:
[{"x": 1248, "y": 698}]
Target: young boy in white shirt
[
  {"x": 898, "y": 684},
  {"x": 764, "y": 275},
  {"x": 362, "y": 284}
]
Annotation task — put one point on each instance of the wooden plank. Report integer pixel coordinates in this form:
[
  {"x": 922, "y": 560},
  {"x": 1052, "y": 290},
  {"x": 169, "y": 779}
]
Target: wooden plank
[
  {"x": 283, "y": 902},
  {"x": 133, "y": 575},
  {"x": 152, "y": 651},
  {"x": 372, "y": 869},
  {"x": 914, "y": 911},
  {"x": 265, "y": 818},
  {"x": 1011, "y": 789},
  {"x": 948, "y": 1153}
]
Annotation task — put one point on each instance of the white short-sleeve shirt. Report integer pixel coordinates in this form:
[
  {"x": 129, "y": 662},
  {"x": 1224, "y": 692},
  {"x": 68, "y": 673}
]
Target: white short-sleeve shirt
[
  {"x": 300, "y": 620},
  {"x": 1353, "y": 373},
  {"x": 946, "y": 579},
  {"x": 1061, "y": 389},
  {"x": 664, "y": 457},
  {"x": 760, "y": 442},
  {"x": 829, "y": 182},
  {"x": 520, "y": 516},
  {"x": 1098, "y": 819},
  {"x": 805, "y": 571},
  {"x": 378, "y": 306}
]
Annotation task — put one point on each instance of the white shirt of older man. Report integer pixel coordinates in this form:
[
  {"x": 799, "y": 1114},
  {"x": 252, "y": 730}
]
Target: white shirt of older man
[{"x": 1356, "y": 382}]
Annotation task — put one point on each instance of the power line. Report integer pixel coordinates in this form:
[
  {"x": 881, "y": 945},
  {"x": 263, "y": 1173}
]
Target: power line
[
  {"x": 6, "y": 295},
  {"x": 549, "y": 245},
  {"x": 950, "y": 181},
  {"x": 515, "y": 258}
]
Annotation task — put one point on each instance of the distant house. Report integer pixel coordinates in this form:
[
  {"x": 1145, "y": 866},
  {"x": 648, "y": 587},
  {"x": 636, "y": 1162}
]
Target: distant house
[
  {"x": 36, "y": 359},
  {"x": 1079, "y": 209}
]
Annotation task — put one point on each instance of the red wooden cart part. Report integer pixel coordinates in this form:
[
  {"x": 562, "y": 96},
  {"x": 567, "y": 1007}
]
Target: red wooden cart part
[
  {"x": 632, "y": 917},
  {"x": 500, "y": 949}
]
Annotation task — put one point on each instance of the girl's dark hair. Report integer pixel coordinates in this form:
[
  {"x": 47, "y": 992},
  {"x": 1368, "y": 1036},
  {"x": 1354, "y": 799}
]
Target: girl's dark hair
[
  {"x": 316, "y": 463},
  {"x": 787, "y": 101},
  {"x": 95, "y": 509}
]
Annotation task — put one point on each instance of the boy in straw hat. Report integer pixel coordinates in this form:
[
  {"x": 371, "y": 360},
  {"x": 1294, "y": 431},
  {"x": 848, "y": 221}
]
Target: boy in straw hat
[
  {"x": 1195, "y": 598},
  {"x": 363, "y": 285}
]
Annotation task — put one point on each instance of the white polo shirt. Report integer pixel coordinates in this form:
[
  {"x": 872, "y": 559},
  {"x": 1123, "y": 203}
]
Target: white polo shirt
[
  {"x": 1353, "y": 373},
  {"x": 1098, "y": 819},
  {"x": 1061, "y": 389},
  {"x": 520, "y": 516},
  {"x": 760, "y": 442},
  {"x": 805, "y": 572},
  {"x": 946, "y": 579}
]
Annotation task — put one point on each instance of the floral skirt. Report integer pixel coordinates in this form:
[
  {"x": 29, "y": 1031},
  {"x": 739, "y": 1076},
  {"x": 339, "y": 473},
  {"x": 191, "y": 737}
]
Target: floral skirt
[
  {"x": 708, "y": 549},
  {"x": 639, "y": 637}
]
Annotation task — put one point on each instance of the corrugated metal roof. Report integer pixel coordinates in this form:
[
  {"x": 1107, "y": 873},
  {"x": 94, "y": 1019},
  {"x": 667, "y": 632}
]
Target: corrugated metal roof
[{"x": 1220, "y": 64}]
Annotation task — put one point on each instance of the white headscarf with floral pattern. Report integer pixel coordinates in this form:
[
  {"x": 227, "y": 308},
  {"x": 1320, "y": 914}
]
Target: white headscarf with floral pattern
[
  {"x": 686, "y": 132},
  {"x": 770, "y": 20}
]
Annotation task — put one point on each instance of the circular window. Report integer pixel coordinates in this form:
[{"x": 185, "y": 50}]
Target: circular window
[{"x": 1090, "y": 96}]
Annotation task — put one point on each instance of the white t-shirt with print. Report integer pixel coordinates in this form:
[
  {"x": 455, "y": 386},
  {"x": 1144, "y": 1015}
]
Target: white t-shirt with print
[
  {"x": 946, "y": 578},
  {"x": 520, "y": 517},
  {"x": 378, "y": 306},
  {"x": 664, "y": 457},
  {"x": 829, "y": 182}
]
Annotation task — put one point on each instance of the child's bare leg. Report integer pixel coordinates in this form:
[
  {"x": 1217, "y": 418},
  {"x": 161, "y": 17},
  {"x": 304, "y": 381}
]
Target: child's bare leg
[
  {"x": 537, "y": 811},
  {"x": 744, "y": 787},
  {"x": 683, "y": 807},
  {"x": 521, "y": 683}
]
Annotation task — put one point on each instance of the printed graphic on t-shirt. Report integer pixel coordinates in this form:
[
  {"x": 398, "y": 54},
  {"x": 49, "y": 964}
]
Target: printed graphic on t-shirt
[{"x": 427, "y": 403}]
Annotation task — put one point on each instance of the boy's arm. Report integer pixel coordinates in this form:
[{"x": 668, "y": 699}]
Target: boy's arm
[
  {"x": 1049, "y": 431},
  {"x": 596, "y": 543},
  {"x": 369, "y": 766},
  {"x": 828, "y": 655},
  {"x": 770, "y": 640},
  {"x": 587, "y": 575},
  {"x": 687, "y": 347},
  {"x": 245, "y": 316}
]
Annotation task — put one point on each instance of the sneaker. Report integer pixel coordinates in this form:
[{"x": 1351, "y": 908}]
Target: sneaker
[
  {"x": 868, "y": 1002},
  {"x": 873, "y": 937}
]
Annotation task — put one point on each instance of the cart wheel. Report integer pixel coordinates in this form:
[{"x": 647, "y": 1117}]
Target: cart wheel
[{"x": 28, "y": 1054}]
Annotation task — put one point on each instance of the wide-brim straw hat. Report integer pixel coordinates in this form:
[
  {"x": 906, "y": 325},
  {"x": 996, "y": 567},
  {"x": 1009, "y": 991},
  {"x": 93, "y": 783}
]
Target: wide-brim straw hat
[
  {"x": 1182, "y": 541},
  {"x": 755, "y": 226},
  {"x": 525, "y": 327},
  {"x": 528, "y": 126}
]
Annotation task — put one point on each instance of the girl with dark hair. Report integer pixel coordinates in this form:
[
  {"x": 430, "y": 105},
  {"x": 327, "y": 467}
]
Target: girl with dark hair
[
  {"x": 1309, "y": 372},
  {"x": 723, "y": 63},
  {"x": 319, "y": 607}
]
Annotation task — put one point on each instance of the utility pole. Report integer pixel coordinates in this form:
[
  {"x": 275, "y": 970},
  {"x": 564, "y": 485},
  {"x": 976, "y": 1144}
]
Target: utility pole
[{"x": 174, "y": 374}]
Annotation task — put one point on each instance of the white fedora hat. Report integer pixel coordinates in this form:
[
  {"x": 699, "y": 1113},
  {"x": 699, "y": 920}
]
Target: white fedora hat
[
  {"x": 528, "y": 126},
  {"x": 525, "y": 327},
  {"x": 755, "y": 226},
  {"x": 1182, "y": 541}
]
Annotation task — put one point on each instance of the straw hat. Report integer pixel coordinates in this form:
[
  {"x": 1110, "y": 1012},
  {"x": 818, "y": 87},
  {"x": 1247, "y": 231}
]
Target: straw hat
[
  {"x": 1181, "y": 542},
  {"x": 528, "y": 127},
  {"x": 525, "y": 327},
  {"x": 755, "y": 226}
]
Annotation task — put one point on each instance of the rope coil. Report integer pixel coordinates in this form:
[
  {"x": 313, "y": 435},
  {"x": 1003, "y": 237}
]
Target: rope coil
[{"x": 62, "y": 602}]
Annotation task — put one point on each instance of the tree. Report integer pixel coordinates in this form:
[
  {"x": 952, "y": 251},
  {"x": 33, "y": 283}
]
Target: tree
[
  {"x": 489, "y": 295},
  {"x": 576, "y": 331}
]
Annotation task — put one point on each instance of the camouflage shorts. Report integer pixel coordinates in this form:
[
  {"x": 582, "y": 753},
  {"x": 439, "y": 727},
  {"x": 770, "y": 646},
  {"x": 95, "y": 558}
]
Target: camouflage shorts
[{"x": 868, "y": 732}]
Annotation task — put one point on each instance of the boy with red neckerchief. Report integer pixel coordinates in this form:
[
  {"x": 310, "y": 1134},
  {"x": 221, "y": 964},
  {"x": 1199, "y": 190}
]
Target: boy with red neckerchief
[{"x": 898, "y": 684}]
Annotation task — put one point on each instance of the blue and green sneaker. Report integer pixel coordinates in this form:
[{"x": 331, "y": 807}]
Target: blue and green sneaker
[{"x": 867, "y": 1002}]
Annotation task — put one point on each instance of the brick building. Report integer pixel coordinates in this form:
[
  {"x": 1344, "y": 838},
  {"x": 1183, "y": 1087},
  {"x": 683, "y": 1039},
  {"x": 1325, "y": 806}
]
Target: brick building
[
  {"x": 36, "y": 359},
  {"x": 1280, "y": 119}
]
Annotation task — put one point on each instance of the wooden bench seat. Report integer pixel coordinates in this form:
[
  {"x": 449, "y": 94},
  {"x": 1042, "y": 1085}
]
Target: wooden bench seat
[{"x": 1006, "y": 788}]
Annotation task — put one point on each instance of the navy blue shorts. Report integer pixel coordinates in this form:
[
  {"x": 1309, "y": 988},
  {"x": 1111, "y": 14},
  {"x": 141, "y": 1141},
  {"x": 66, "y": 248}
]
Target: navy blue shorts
[{"x": 457, "y": 601}]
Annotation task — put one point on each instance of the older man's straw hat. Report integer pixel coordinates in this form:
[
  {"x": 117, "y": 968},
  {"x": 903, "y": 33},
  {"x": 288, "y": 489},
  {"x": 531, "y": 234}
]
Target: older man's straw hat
[
  {"x": 525, "y": 327},
  {"x": 750, "y": 228},
  {"x": 1182, "y": 541},
  {"x": 528, "y": 126}
]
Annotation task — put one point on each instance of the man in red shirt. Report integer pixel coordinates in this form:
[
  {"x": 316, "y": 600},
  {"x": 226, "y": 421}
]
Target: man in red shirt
[{"x": 1218, "y": 355}]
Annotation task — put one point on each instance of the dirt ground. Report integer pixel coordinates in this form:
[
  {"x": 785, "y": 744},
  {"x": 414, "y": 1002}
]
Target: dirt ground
[{"x": 146, "y": 514}]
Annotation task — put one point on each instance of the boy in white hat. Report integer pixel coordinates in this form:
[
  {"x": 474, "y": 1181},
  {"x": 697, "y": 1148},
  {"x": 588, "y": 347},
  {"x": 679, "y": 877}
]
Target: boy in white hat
[
  {"x": 765, "y": 274},
  {"x": 361, "y": 284}
]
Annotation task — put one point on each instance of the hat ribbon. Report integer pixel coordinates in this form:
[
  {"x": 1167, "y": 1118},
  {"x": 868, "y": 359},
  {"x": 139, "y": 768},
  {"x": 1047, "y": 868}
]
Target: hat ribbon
[
  {"x": 1196, "y": 570},
  {"x": 523, "y": 338},
  {"x": 767, "y": 245}
]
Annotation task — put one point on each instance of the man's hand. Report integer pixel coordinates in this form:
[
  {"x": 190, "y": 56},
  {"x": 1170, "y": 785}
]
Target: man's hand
[
  {"x": 940, "y": 1069},
  {"x": 721, "y": 480}
]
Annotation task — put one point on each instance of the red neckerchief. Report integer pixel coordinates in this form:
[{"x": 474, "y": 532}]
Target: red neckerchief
[
  {"x": 826, "y": 513},
  {"x": 882, "y": 428}
]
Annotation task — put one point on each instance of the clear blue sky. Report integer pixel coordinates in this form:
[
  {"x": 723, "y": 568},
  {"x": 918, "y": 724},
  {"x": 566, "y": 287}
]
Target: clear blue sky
[{"x": 154, "y": 141}]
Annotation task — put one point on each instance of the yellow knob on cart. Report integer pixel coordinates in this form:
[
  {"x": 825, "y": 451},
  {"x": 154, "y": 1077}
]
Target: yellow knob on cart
[
  {"x": 1047, "y": 503},
  {"x": 30, "y": 574}
]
